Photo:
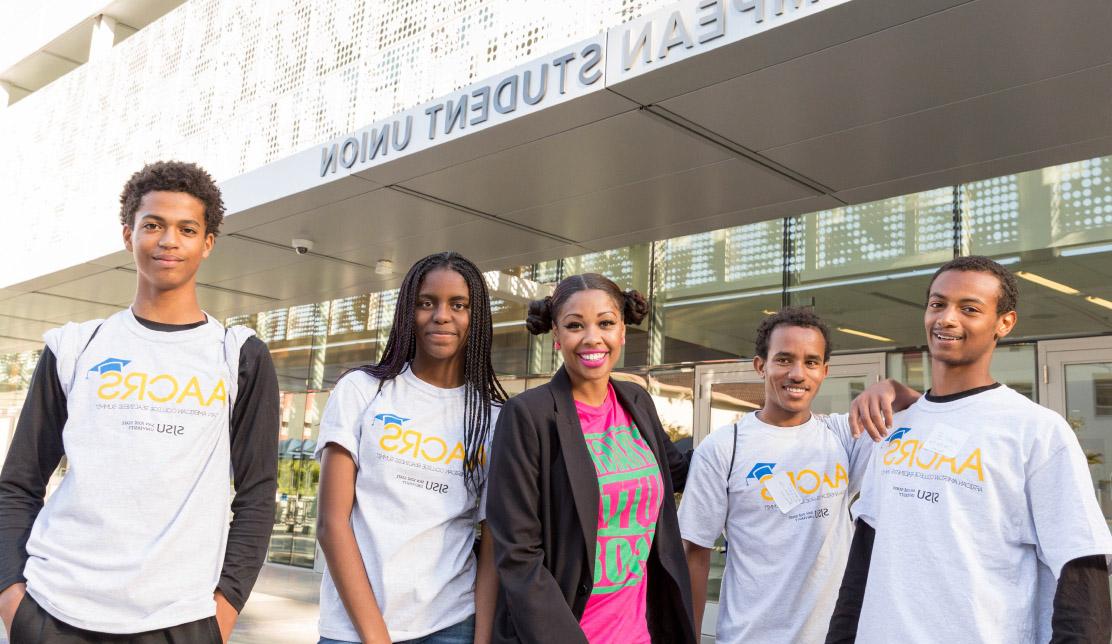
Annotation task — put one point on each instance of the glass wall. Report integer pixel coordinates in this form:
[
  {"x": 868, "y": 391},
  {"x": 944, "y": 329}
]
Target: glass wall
[
  {"x": 1012, "y": 365},
  {"x": 1053, "y": 227}
]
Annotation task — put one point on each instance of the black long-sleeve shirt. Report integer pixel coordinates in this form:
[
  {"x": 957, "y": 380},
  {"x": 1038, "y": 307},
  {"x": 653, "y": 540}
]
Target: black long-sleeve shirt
[{"x": 37, "y": 448}]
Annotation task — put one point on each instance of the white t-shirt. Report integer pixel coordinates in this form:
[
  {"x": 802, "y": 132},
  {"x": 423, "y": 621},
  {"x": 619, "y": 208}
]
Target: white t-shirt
[
  {"x": 414, "y": 518},
  {"x": 782, "y": 570},
  {"x": 969, "y": 535},
  {"x": 133, "y": 539}
]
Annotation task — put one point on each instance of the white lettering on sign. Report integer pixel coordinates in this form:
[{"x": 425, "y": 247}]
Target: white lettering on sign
[
  {"x": 693, "y": 27},
  {"x": 569, "y": 73}
]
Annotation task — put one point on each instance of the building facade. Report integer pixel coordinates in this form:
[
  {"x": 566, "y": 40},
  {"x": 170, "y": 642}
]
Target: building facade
[{"x": 725, "y": 158}]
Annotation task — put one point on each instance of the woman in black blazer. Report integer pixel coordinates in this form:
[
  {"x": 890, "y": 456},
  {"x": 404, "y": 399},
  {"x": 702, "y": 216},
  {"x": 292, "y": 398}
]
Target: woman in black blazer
[{"x": 562, "y": 578}]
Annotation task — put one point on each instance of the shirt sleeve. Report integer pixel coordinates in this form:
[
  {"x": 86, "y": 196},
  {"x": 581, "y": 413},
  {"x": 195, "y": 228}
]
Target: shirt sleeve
[
  {"x": 858, "y": 450},
  {"x": 1082, "y": 607},
  {"x": 342, "y": 421},
  {"x": 1067, "y": 522},
  {"x": 702, "y": 511},
  {"x": 482, "y": 514},
  {"x": 866, "y": 507},
  {"x": 33, "y": 455},
  {"x": 254, "y": 442}
]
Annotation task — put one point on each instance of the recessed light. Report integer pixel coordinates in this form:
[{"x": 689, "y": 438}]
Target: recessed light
[
  {"x": 863, "y": 334},
  {"x": 1099, "y": 301},
  {"x": 1048, "y": 283}
]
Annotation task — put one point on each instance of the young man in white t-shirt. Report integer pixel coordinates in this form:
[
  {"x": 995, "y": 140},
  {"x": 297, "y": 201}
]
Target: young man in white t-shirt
[
  {"x": 158, "y": 409},
  {"x": 977, "y": 520},
  {"x": 779, "y": 484}
]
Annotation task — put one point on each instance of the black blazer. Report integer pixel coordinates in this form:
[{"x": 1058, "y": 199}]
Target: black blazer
[{"x": 542, "y": 511}]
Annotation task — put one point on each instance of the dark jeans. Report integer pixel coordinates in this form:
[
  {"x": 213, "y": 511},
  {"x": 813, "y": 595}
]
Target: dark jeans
[
  {"x": 32, "y": 625},
  {"x": 461, "y": 633}
]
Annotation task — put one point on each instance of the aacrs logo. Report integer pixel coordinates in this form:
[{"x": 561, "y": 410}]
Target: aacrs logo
[
  {"x": 411, "y": 443},
  {"x": 908, "y": 453},
  {"x": 116, "y": 384},
  {"x": 806, "y": 481}
]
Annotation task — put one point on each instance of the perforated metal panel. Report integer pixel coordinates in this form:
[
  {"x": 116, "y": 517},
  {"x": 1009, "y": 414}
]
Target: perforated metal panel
[
  {"x": 237, "y": 84},
  {"x": 1082, "y": 198}
]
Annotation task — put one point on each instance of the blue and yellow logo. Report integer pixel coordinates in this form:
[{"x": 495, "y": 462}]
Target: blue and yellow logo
[
  {"x": 411, "y": 443},
  {"x": 806, "y": 481},
  {"x": 159, "y": 388},
  {"x": 907, "y": 453}
]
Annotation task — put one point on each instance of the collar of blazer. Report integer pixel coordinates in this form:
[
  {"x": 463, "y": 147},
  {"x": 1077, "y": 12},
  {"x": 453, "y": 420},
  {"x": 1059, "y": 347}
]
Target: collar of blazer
[{"x": 581, "y": 469}]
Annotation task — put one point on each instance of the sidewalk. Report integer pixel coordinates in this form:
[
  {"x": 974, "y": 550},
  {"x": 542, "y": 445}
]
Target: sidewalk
[{"x": 283, "y": 608}]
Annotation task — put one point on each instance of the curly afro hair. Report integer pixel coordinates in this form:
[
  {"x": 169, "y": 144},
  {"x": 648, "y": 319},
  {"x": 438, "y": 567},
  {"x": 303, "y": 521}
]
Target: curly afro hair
[
  {"x": 1009, "y": 291},
  {"x": 173, "y": 176},
  {"x": 791, "y": 316}
]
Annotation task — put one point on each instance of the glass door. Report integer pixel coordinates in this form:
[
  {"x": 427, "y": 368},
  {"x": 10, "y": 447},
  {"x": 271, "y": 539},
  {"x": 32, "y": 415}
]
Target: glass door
[
  {"x": 293, "y": 537},
  {"x": 1076, "y": 382},
  {"x": 726, "y": 391}
]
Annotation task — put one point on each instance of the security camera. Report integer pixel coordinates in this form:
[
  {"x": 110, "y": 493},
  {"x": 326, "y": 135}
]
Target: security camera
[{"x": 302, "y": 246}]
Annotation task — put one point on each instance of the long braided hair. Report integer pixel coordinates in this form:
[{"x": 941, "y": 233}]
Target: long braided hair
[{"x": 482, "y": 386}]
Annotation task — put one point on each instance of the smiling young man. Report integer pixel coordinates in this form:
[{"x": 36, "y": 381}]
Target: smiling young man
[
  {"x": 153, "y": 408},
  {"x": 779, "y": 484},
  {"x": 977, "y": 521}
]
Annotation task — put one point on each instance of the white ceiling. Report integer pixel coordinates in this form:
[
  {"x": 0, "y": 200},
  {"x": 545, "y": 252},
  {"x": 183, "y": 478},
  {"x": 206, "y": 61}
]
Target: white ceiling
[{"x": 865, "y": 100}]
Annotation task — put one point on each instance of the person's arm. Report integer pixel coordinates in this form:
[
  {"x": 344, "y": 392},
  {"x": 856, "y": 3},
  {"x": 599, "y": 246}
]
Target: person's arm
[
  {"x": 341, "y": 551},
  {"x": 1082, "y": 607},
  {"x": 254, "y": 455},
  {"x": 534, "y": 600},
  {"x": 33, "y": 455},
  {"x": 851, "y": 596},
  {"x": 486, "y": 588},
  {"x": 871, "y": 411},
  {"x": 698, "y": 564}
]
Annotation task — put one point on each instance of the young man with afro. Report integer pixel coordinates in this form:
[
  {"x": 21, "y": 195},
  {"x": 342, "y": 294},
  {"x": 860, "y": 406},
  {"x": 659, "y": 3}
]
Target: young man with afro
[{"x": 158, "y": 410}]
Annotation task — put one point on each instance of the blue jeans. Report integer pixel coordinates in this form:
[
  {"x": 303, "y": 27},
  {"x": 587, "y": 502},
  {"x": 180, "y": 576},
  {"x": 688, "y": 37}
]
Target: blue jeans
[{"x": 461, "y": 633}]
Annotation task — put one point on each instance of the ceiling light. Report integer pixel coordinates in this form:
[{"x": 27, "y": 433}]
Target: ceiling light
[
  {"x": 384, "y": 267},
  {"x": 871, "y": 336},
  {"x": 1099, "y": 301},
  {"x": 768, "y": 312},
  {"x": 1051, "y": 284},
  {"x": 1086, "y": 250}
]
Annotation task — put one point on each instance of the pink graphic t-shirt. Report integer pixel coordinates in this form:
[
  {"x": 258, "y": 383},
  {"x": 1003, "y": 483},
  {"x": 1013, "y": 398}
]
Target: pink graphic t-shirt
[{"x": 630, "y": 494}]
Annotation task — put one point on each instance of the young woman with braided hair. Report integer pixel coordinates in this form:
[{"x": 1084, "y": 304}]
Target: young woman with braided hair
[
  {"x": 403, "y": 447},
  {"x": 581, "y": 507}
]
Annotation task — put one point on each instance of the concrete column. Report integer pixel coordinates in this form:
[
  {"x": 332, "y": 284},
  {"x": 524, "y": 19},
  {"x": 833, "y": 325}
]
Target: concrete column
[{"x": 104, "y": 36}]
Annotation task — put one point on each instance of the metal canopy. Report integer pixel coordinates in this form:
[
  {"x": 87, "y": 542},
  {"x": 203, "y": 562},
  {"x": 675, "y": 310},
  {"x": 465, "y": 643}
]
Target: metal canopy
[{"x": 865, "y": 100}]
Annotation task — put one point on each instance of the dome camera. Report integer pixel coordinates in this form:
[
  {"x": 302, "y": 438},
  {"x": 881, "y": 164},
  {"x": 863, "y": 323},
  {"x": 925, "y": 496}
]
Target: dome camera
[{"x": 302, "y": 246}]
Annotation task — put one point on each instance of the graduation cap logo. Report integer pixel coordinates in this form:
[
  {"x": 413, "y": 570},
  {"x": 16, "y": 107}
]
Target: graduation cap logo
[
  {"x": 760, "y": 470},
  {"x": 898, "y": 434},
  {"x": 107, "y": 365},
  {"x": 390, "y": 419}
]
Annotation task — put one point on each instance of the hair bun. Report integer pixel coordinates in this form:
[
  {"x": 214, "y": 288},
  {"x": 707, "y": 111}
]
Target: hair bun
[
  {"x": 539, "y": 319},
  {"x": 635, "y": 308}
]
